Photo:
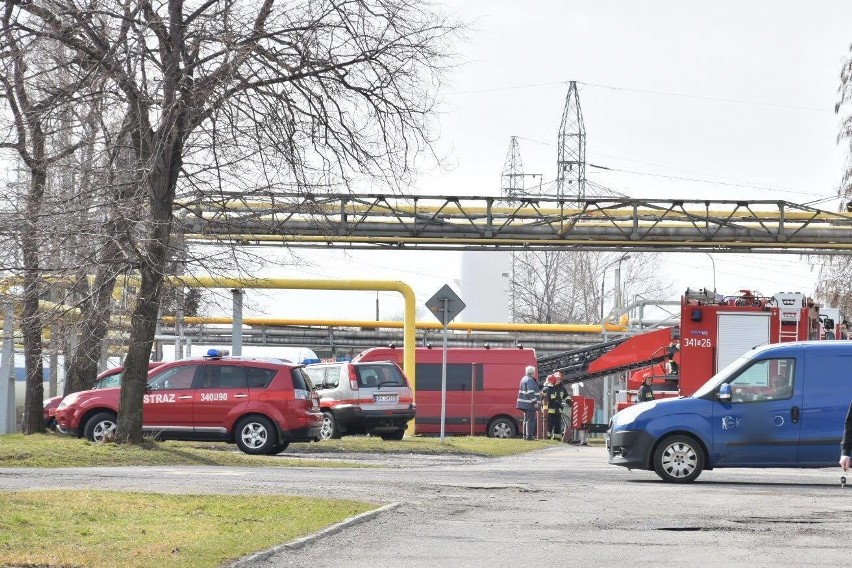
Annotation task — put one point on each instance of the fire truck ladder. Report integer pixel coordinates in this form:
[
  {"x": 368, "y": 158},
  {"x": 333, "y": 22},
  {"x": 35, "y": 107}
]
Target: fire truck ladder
[
  {"x": 575, "y": 364},
  {"x": 791, "y": 316}
]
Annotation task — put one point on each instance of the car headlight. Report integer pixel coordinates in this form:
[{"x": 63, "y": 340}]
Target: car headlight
[
  {"x": 631, "y": 413},
  {"x": 67, "y": 401}
]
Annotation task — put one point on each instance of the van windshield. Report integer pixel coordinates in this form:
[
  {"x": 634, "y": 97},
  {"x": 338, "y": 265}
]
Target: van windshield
[{"x": 720, "y": 377}]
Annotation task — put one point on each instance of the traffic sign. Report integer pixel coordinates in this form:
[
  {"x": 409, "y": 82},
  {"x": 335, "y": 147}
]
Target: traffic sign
[{"x": 445, "y": 299}]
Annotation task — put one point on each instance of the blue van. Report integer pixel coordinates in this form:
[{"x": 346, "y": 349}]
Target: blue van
[{"x": 780, "y": 405}]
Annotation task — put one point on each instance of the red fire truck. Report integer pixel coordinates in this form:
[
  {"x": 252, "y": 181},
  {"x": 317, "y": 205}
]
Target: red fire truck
[{"x": 714, "y": 330}]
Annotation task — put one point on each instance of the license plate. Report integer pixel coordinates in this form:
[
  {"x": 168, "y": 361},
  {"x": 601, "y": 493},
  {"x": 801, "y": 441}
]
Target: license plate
[{"x": 384, "y": 397}]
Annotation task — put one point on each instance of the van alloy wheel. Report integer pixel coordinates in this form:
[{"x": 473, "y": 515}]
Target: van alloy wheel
[{"x": 678, "y": 459}]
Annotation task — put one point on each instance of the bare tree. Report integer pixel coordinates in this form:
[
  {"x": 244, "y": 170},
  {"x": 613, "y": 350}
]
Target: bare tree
[
  {"x": 570, "y": 286},
  {"x": 38, "y": 100},
  {"x": 317, "y": 92},
  {"x": 835, "y": 274}
]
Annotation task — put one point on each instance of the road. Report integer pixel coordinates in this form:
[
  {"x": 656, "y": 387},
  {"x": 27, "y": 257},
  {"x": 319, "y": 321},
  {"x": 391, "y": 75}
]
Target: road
[{"x": 560, "y": 506}]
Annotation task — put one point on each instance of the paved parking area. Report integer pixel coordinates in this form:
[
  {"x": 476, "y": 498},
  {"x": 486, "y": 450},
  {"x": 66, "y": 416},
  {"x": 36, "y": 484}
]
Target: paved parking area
[{"x": 560, "y": 506}]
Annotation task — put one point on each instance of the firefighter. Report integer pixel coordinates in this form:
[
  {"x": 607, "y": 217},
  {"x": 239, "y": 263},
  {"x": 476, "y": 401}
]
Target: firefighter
[
  {"x": 645, "y": 392},
  {"x": 554, "y": 396}
]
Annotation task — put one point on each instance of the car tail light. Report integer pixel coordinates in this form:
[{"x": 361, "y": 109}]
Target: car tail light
[{"x": 353, "y": 378}]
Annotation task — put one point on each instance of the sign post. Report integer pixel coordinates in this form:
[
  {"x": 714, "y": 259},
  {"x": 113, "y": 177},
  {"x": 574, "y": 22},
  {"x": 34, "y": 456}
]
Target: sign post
[{"x": 444, "y": 305}]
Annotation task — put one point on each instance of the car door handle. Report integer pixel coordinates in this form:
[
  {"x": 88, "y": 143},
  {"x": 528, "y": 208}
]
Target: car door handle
[
  {"x": 795, "y": 414},
  {"x": 240, "y": 396},
  {"x": 185, "y": 397}
]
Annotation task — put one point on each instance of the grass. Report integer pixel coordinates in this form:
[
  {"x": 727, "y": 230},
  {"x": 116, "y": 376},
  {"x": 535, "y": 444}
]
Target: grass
[
  {"x": 103, "y": 528},
  {"x": 54, "y": 450},
  {"x": 106, "y": 528},
  {"x": 452, "y": 445}
]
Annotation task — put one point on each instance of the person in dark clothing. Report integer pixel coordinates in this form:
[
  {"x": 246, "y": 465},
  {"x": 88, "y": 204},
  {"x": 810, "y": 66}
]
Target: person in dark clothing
[
  {"x": 645, "y": 391},
  {"x": 555, "y": 396},
  {"x": 846, "y": 442}
]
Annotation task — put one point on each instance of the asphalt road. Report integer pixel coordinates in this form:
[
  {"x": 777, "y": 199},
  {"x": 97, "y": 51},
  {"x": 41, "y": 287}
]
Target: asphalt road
[{"x": 561, "y": 506}]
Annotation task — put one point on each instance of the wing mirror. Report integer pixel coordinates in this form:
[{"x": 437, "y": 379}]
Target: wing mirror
[{"x": 724, "y": 393}]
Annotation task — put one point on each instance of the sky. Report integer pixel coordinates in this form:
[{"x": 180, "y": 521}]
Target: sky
[
  {"x": 717, "y": 100},
  {"x": 722, "y": 100}
]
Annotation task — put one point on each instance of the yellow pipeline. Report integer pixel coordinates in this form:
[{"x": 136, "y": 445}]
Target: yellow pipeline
[
  {"x": 408, "y": 334},
  {"x": 457, "y": 326},
  {"x": 621, "y": 244},
  {"x": 448, "y": 208}
]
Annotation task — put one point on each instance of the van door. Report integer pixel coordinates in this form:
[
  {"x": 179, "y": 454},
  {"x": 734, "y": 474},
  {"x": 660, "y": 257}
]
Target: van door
[
  {"x": 827, "y": 392},
  {"x": 761, "y": 424}
]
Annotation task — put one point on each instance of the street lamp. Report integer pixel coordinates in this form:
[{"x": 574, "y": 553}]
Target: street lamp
[
  {"x": 607, "y": 396},
  {"x": 714, "y": 271},
  {"x": 618, "y": 261}
]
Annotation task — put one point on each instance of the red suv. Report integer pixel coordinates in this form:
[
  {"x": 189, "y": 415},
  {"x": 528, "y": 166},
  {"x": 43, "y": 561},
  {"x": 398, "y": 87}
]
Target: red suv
[
  {"x": 107, "y": 379},
  {"x": 260, "y": 404}
]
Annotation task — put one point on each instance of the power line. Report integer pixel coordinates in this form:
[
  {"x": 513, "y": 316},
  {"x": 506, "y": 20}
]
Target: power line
[
  {"x": 650, "y": 92},
  {"x": 707, "y": 98},
  {"x": 734, "y": 182}
]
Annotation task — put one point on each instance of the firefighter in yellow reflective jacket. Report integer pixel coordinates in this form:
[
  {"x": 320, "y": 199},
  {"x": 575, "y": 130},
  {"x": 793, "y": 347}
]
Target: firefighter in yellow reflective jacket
[{"x": 555, "y": 396}]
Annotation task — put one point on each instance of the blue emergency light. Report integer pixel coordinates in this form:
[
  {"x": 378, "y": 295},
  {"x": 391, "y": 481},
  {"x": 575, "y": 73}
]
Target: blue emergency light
[{"x": 216, "y": 353}]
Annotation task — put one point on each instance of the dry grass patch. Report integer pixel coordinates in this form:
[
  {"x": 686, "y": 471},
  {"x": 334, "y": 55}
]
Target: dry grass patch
[
  {"x": 454, "y": 445},
  {"x": 104, "y": 528},
  {"x": 54, "y": 450}
]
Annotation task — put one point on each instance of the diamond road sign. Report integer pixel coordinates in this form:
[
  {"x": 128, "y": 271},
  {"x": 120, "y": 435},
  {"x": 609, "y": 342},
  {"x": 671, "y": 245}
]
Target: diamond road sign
[{"x": 445, "y": 297}]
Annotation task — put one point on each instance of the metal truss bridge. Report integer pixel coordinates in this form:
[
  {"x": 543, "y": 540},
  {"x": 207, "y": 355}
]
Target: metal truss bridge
[{"x": 384, "y": 221}]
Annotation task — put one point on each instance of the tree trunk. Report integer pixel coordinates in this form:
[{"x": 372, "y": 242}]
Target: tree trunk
[
  {"x": 97, "y": 310},
  {"x": 31, "y": 324},
  {"x": 143, "y": 322}
]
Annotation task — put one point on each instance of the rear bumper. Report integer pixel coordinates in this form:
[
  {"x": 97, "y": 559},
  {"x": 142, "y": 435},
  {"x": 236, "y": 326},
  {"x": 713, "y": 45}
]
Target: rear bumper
[
  {"x": 309, "y": 434},
  {"x": 373, "y": 420},
  {"x": 629, "y": 448}
]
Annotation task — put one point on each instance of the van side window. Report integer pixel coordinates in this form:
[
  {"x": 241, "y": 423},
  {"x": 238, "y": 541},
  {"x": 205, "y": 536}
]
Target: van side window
[
  {"x": 769, "y": 379},
  {"x": 459, "y": 377}
]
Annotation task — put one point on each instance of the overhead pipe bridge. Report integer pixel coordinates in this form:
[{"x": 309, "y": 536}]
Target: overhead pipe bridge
[{"x": 382, "y": 221}]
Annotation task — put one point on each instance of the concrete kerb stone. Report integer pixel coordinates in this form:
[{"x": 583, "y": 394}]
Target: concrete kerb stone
[{"x": 300, "y": 542}]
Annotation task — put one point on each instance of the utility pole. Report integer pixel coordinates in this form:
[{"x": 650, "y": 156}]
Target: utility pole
[{"x": 571, "y": 148}]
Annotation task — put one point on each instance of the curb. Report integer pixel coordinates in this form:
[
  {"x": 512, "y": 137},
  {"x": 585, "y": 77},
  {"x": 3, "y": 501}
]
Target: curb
[{"x": 305, "y": 540}]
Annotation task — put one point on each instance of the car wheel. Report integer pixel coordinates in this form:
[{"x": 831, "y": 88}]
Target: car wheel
[
  {"x": 678, "y": 459},
  {"x": 502, "y": 427},
  {"x": 329, "y": 428},
  {"x": 256, "y": 435},
  {"x": 100, "y": 427},
  {"x": 398, "y": 435}
]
